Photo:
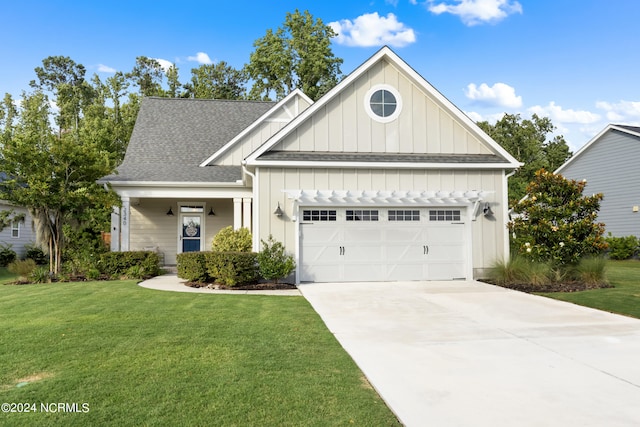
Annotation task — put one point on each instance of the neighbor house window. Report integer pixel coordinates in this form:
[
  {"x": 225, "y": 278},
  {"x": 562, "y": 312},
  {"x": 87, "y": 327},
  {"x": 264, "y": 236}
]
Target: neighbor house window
[
  {"x": 444, "y": 215},
  {"x": 403, "y": 215},
  {"x": 318, "y": 215},
  {"x": 383, "y": 103},
  {"x": 362, "y": 215},
  {"x": 15, "y": 229}
]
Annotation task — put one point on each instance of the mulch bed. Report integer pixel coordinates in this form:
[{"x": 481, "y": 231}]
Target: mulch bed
[
  {"x": 551, "y": 287},
  {"x": 247, "y": 287}
]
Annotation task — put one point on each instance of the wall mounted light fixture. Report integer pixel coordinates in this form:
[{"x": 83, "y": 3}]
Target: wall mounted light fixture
[
  {"x": 211, "y": 212},
  {"x": 487, "y": 210},
  {"x": 169, "y": 212},
  {"x": 278, "y": 212}
]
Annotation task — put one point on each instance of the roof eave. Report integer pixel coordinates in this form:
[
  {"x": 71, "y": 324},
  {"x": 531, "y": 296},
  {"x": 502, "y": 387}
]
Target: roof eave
[{"x": 381, "y": 165}]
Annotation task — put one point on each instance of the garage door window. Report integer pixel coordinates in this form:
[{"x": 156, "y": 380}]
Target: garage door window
[
  {"x": 403, "y": 215},
  {"x": 362, "y": 215},
  {"x": 444, "y": 215},
  {"x": 319, "y": 215}
]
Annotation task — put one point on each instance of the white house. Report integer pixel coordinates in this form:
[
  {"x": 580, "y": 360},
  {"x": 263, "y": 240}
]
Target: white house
[
  {"x": 609, "y": 164},
  {"x": 19, "y": 234},
  {"x": 381, "y": 179}
]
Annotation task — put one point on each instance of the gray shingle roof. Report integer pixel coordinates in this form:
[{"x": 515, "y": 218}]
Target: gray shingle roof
[
  {"x": 173, "y": 136},
  {"x": 631, "y": 128},
  {"x": 380, "y": 157}
]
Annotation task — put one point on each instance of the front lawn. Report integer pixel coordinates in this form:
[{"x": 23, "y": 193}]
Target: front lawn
[
  {"x": 118, "y": 354},
  {"x": 622, "y": 298}
]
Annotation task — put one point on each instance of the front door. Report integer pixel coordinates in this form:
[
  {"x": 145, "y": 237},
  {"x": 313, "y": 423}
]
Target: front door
[{"x": 191, "y": 232}]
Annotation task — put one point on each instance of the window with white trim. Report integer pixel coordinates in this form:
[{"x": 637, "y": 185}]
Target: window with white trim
[
  {"x": 318, "y": 215},
  {"x": 444, "y": 215},
  {"x": 15, "y": 229},
  {"x": 383, "y": 103},
  {"x": 403, "y": 215},
  {"x": 361, "y": 215}
]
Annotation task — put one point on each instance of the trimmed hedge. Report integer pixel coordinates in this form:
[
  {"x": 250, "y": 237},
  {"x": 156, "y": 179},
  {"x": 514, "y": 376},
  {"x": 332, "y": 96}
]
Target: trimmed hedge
[
  {"x": 116, "y": 264},
  {"x": 192, "y": 266},
  {"x": 227, "y": 268},
  {"x": 622, "y": 247}
]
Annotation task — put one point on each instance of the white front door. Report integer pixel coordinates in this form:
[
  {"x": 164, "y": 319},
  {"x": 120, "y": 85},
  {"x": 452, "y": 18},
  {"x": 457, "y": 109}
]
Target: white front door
[{"x": 382, "y": 244}]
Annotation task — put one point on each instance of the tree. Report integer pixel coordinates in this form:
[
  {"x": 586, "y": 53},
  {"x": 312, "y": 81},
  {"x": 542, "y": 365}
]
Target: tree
[
  {"x": 53, "y": 175},
  {"x": 147, "y": 74},
  {"x": 526, "y": 140},
  {"x": 296, "y": 55},
  {"x": 555, "y": 222},
  {"x": 219, "y": 81}
]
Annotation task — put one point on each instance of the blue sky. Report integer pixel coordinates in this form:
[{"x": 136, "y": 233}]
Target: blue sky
[{"x": 574, "y": 61}]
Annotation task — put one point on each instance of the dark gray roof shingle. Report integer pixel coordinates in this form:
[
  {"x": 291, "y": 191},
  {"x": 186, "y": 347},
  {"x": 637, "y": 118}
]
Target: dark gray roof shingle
[
  {"x": 380, "y": 157},
  {"x": 173, "y": 136}
]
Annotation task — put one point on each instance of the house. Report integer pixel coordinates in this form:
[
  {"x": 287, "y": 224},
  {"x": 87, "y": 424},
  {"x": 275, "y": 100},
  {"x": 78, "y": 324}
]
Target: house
[
  {"x": 19, "y": 234},
  {"x": 609, "y": 164},
  {"x": 381, "y": 179}
]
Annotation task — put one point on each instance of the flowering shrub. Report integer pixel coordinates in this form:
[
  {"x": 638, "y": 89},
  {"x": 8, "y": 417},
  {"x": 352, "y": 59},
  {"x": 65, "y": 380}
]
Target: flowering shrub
[{"x": 555, "y": 222}]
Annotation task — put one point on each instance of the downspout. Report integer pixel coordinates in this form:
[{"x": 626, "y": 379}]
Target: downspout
[
  {"x": 505, "y": 213},
  {"x": 254, "y": 217}
]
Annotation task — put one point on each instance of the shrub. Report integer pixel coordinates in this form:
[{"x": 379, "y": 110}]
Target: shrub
[
  {"x": 192, "y": 266},
  {"x": 230, "y": 240},
  {"x": 118, "y": 264},
  {"x": 556, "y": 223},
  {"x": 233, "y": 268},
  {"x": 35, "y": 253},
  {"x": 22, "y": 268},
  {"x": 7, "y": 255},
  {"x": 40, "y": 274},
  {"x": 591, "y": 271},
  {"x": 273, "y": 262},
  {"x": 622, "y": 247},
  {"x": 519, "y": 270}
]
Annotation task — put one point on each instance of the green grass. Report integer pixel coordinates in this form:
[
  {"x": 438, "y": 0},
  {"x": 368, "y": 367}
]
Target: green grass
[
  {"x": 623, "y": 298},
  {"x": 139, "y": 357}
]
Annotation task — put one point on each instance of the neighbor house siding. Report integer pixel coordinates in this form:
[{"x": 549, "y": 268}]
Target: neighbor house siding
[
  {"x": 26, "y": 233},
  {"x": 152, "y": 227},
  {"x": 343, "y": 125},
  {"x": 488, "y": 234},
  {"x": 610, "y": 167}
]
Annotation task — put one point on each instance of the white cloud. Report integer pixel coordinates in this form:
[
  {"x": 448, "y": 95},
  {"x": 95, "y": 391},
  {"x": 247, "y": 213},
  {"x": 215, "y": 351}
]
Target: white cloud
[
  {"x": 200, "y": 58},
  {"x": 474, "y": 12},
  {"x": 623, "y": 112},
  {"x": 558, "y": 115},
  {"x": 371, "y": 29},
  {"x": 105, "y": 69},
  {"x": 164, "y": 64},
  {"x": 498, "y": 95}
]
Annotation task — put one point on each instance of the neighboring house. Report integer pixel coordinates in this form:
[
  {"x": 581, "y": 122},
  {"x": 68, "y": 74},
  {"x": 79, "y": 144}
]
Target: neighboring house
[
  {"x": 609, "y": 164},
  {"x": 381, "y": 179},
  {"x": 18, "y": 234}
]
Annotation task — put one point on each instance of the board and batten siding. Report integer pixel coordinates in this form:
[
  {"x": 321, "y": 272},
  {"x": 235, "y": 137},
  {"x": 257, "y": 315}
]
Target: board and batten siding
[
  {"x": 488, "y": 233},
  {"x": 610, "y": 166},
  {"x": 423, "y": 125},
  {"x": 152, "y": 227}
]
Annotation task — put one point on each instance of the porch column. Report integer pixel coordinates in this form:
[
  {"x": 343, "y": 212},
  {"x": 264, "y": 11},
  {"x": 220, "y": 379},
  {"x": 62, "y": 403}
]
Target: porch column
[
  {"x": 124, "y": 225},
  {"x": 246, "y": 213},
  {"x": 237, "y": 213},
  {"x": 115, "y": 229}
]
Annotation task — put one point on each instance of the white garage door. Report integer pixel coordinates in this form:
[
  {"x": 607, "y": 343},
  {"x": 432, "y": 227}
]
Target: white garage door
[{"x": 382, "y": 244}]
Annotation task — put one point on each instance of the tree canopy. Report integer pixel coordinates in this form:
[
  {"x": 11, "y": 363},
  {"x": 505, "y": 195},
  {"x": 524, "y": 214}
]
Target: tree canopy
[
  {"x": 527, "y": 141},
  {"x": 296, "y": 55}
]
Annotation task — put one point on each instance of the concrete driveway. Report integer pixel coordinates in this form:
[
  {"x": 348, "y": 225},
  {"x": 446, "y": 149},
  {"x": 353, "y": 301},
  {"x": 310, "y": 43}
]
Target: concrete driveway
[{"x": 472, "y": 354}]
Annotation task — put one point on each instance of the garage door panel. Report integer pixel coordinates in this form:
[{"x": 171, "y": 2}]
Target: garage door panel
[{"x": 414, "y": 248}]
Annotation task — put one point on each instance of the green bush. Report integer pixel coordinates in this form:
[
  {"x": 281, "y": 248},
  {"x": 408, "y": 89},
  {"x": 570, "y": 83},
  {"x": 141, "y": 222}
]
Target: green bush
[
  {"x": 622, "y": 247},
  {"x": 192, "y": 266},
  {"x": 22, "y": 268},
  {"x": 40, "y": 275},
  {"x": 35, "y": 253},
  {"x": 273, "y": 261},
  {"x": 233, "y": 268},
  {"x": 7, "y": 255},
  {"x": 591, "y": 271},
  {"x": 118, "y": 264},
  {"x": 230, "y": 240}
]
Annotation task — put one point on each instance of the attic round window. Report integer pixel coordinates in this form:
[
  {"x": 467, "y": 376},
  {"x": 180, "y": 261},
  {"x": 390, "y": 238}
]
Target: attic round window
[{"x": 383, "y": 103}]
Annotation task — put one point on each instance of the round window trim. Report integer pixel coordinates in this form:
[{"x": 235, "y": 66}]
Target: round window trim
[{"x": 378, "y": 115}]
